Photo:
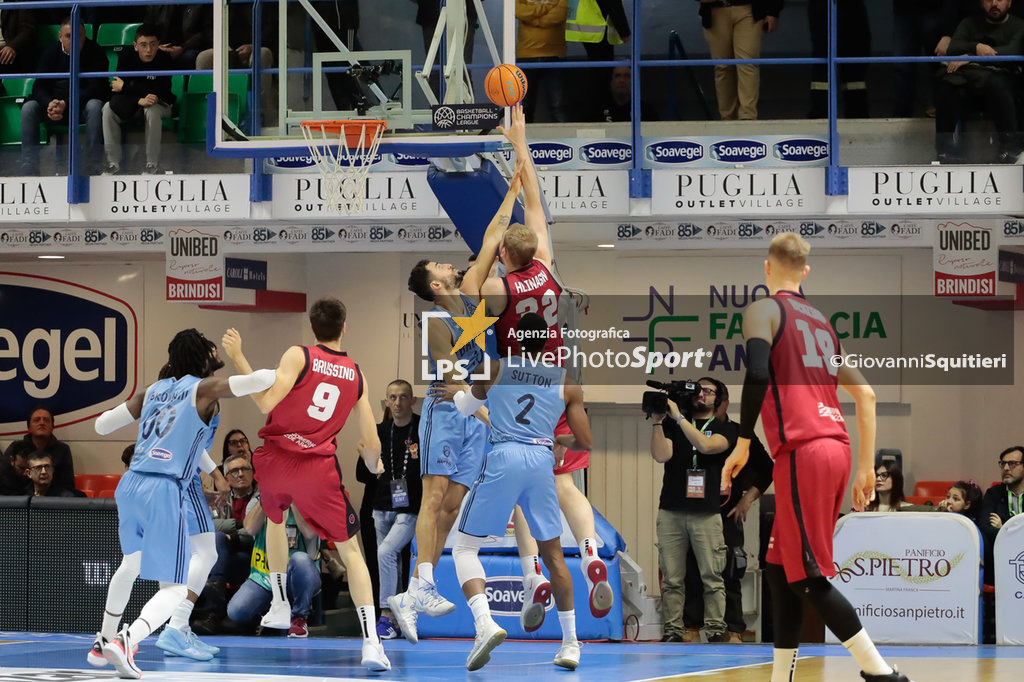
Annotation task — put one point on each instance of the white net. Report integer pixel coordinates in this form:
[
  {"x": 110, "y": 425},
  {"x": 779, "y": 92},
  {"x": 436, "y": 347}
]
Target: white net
[{"x": 343, "y": 152}]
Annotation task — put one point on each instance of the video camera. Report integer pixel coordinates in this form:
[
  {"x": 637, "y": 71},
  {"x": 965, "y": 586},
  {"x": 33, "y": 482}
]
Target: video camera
[{"x": 682, "y": 394}]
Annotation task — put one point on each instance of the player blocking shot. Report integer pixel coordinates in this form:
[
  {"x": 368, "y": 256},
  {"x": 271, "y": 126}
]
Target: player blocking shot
[
  {"x": 178, "y": 418},
  {"x": 527, "y": 397},
  {"x": 791, "y": 382},
  {"x": 316, "y": 389}
]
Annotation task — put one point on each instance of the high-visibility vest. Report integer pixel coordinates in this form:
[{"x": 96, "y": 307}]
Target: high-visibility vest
[{"x": 586, "y": 24}]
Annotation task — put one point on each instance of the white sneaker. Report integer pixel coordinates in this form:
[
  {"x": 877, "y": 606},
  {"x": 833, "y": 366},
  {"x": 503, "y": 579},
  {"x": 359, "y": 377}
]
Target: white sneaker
[
  {"x": 488, "y": 636},
  {"x": 536, "y": 592},
  {"x": 279, "y": 617},
  {"x": 403, "y": 614},
  {"x": 601, "y": 595},
  {"x": 121, "y": 653},
  {"x": 95, "y": 656},
  {"x": 429, "y": 601},
  {"x": 568, "y": 655},
  {"x": 374, "y": 657}
]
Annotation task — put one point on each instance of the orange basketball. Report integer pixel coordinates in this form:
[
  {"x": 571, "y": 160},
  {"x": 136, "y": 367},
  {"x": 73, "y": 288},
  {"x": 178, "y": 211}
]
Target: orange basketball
[{"x": 505, "y": 85}]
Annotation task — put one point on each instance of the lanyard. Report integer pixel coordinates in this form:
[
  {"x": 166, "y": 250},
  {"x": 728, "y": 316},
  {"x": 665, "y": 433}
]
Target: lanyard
[
  {"x": 1014, "y": 502},
  {"x": 701, "y": 429},
  {"x": 405, "y": 461}
]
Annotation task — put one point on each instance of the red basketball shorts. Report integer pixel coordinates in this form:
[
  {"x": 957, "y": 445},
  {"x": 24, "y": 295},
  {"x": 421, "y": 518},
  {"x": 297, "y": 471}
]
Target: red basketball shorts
[
  {"x": 574, "y": 459},
  {"x": 810, "y": 484},
  {"x": 313, "y": 484}
]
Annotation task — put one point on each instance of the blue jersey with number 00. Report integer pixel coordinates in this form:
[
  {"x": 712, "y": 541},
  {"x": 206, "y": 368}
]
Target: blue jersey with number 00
[{"x": 172, "y": 435}]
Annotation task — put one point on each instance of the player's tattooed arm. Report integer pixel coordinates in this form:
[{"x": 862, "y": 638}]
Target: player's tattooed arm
[
  {"x": 534, "y": 206},
  {"x": 478, "y": 274}
]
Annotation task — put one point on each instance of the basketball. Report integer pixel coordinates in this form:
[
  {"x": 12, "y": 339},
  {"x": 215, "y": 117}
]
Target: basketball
[{"x": 505, "y": 85}]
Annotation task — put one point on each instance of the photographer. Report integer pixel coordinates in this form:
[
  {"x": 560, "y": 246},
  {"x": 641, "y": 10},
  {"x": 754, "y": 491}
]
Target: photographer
[{"x": 693, "y": 447}]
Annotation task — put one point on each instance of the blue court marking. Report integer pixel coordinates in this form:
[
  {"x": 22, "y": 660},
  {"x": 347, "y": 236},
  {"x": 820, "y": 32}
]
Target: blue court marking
[{"x": 331, "y": 658}]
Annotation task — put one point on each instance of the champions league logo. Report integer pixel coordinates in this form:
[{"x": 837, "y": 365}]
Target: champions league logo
[{"x": 444, "y": 118}]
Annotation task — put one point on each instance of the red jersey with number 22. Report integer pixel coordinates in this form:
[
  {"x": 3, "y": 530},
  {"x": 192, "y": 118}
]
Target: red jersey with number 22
[
  {"x": 802, "y": 404},
  {"x": 529, "y": 290},
  {"x": 309, "y": 418}
]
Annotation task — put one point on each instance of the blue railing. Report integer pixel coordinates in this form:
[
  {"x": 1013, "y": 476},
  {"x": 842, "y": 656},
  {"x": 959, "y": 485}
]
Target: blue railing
[{"x": 639, "y": 178}]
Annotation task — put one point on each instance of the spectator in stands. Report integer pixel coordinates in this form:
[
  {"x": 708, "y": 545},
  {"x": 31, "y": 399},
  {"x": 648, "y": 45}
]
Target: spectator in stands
[
  {"x": 14, "y": 479},
  {"x": 236, "y": 443},
  {"x": 146, "y": 96},
  {"x": 734, "y": 30},
  {"x": 541, "y": 38},
  {"x": 963, "y": 497},
  {"x": 50, "y": 97},
  {"x": 234, "y": 543},
  {"x": 918, "y": 27},
  {"x": 963, "y": 86},
  {"x": 398, "y": 495},
  {"x": 1002, "y": 501},
  {"x": 598, "y": 25},
  {"x": 126, "y": 455},
  {"x": 889, "y": 495},
  {"x": 429, "y": 11},
  {"x": 617, "y": 103},
  {"x": 40, "y": 437},
  {"x": 688, "y": 512},
  {"x": 40, "y": 470},
  {"x": 18, "y": 38},
  {"x": 854, "y": 39},
  {"x": 303, "y": 578},
  {"x": 184, "y": 30}
]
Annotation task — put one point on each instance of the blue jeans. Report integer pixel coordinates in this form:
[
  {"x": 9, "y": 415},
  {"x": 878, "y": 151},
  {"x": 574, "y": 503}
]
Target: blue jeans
[
  {"x": 394, "y": 532},
  {"x": 33, "y": 114},
  {"x": 303, "y": 582}
]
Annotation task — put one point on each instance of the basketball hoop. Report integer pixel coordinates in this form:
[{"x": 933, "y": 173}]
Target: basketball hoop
[{"x": 343, "y": 152}]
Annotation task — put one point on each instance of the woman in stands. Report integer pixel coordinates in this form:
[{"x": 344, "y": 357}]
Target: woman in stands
[
  {"x": 889, "y": 494},
  {"x": 963, "y": 497}
]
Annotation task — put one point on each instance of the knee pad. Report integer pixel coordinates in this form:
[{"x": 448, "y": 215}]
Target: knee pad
[{"x": 465, "y": 554}]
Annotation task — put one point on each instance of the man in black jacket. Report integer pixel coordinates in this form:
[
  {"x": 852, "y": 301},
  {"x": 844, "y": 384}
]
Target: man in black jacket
[
  {"x": 49, "y": 101},
  {"x": 40, "y": 470},
  {"x": 1002, "y": 502},
  {"x": 40, "y": 437},
  {"x": 146, "y": 96},
  {"x": 18, "y": 37}
]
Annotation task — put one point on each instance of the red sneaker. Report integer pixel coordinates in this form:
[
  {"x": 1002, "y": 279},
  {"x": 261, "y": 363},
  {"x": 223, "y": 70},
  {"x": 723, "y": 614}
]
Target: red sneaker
[{"x": 298, "y": 628}]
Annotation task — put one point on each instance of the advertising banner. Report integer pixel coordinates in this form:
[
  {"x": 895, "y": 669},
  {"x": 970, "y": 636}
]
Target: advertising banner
[
  {"x": 738, "y": 192},
  {"x": 25, "y": 200},
  {"x": 168, "y": 197},
  {"x": 966, "y": 257},
  {"x": 912, "y": 577},
  {"x": 195, "y": 266},
  {"x": 936, "y": 190},
  {"x": 752, "y": 150},
  {"x": 710, "y": 233},
  {"x": 1008, "y": 560}
]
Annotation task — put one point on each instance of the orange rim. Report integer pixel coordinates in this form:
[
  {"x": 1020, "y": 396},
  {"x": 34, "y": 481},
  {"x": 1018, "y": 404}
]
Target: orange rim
[{"x": 353, "y": 129}]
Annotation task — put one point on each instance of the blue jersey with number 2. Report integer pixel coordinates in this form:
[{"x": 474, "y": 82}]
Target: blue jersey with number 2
[
  {"x": 526, "y": 402},
  {"x": 172, "y": 435}
]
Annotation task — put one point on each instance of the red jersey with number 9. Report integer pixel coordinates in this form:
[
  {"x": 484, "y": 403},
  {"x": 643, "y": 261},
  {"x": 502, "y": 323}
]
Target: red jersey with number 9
[
  {"x": 802, "y": 404},
  {"x": 529, "y": 290},
  {"x": 309, "y": 418}
]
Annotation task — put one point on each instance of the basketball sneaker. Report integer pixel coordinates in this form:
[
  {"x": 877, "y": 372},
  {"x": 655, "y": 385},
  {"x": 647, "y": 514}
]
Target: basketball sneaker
[
  {"x": 121, "y": 653},
  {"x": 279, "y": 617},
  {"x": 488, "y": 636},
  {"x": 95, "y": 656},
  {"x": 174, "y": 642},
  {"x": 298, "y": 629},
  {"x": 374, "y": 657},
  {"x": 568, "y": 655},
  {"x": 894, "y": 676},
  {"x": 536, "y": 592},
  {"x": 404, "y": 613},
  {"x": 386, "y": 629},
  {"x": 601, "y": 596},
  {"x": 428, "y": 600},
  {"x": 198, "y": 643}
]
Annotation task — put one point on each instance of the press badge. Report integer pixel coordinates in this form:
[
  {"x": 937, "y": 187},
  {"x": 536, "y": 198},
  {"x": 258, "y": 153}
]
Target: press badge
[
  {"x": 695, "y": 479},
  {"x": 293, "y": 537},
  {"x": 399, "y": 493}
]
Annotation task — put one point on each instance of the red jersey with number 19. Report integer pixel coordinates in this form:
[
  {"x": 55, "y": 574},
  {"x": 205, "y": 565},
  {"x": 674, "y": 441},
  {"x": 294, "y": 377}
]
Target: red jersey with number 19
[
  {"x": 529, "y": 290},
  {"x": 802, "y": 404},
  {"x": 309, "y": 418}
]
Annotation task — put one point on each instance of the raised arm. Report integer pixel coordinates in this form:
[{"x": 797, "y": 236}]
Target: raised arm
[
  {"x": 292, "y": 363},
  {"x": 474, "y": 278},
  {"x": 534, "y": 207}
]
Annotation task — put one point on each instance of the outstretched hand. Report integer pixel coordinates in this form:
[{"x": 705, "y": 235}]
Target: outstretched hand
[{"x": 516, "y": 132}]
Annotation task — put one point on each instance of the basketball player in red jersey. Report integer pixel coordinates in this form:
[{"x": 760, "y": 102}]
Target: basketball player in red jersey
[
  {"x": 793, "y": 357},
  {"x": 316, "y": 389},
  {"x": 529, "y": 287}
]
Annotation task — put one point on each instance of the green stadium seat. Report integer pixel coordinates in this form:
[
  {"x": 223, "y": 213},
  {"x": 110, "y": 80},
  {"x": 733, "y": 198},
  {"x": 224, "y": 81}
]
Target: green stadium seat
[{"x": 110, "y": 35}]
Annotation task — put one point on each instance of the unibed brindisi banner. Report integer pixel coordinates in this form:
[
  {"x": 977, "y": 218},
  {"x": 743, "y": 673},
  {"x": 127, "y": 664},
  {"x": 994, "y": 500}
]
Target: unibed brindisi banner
[
  {"x": 168, "y": 197},
  {"x": 966, "y": 257},
  {"x": 936, "y": 190},
  {"x": 195, "y": 265},
  {"x": 24, "y": 200},
  {"x": 912, "y": 577},
  {"x": 738, "y": 192},
  {"x": 1008, "y": 559}
]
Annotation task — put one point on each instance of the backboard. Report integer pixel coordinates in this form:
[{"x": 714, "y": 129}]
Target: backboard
[{"x": 314, "y": 62}]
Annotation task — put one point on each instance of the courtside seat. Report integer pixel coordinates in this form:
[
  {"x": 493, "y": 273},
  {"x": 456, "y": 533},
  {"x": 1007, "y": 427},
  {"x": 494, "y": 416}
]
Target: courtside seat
[
  {"x": 96, "y": 483},
  {"x": 108, "y": 494},
  {"x": 933, "y": 488},
  {"x": 925, "y": 499}
]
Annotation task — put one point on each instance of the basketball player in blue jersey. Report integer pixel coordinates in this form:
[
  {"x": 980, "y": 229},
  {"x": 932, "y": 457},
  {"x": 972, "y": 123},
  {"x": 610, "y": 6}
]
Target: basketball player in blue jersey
[
  {"x": 178, "y": 419},
  {"x": 451, "y": 445},
  {"x": 526, "y": 397}
]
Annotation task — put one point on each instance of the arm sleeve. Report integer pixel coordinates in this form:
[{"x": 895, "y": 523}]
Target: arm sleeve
[
  {"x": 113, "y": 419},
  {"x": 247, "y": 384},
  {"x": 755, "y": 385},
  {"x": 206, "y": 463},
  {"x": 467, "y": 403}
]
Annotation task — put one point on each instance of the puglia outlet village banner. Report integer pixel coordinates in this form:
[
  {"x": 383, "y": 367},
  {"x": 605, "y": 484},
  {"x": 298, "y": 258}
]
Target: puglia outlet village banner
[{"x": 912, "y": 577}]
